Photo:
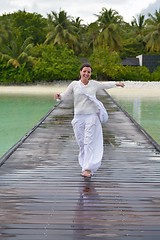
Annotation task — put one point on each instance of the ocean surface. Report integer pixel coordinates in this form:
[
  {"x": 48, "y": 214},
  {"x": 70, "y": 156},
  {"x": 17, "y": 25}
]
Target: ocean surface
[
  {"x": 146, "y": 112},
  {"x": 20, "y": 113}
]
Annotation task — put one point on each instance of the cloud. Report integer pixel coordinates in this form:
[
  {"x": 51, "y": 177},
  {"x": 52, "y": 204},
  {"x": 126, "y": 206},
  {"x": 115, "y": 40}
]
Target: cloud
[
  {"x": 86, "y": 10},
  {"x": 151, "y": 8}
]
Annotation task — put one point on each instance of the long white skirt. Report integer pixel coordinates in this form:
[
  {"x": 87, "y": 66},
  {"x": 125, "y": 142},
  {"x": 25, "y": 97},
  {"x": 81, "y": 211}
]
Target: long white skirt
[{"x": 88, "y": 133}]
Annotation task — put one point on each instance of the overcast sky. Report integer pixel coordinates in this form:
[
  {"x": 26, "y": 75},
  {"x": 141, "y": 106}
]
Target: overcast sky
[{"x": 85, "y": 9}]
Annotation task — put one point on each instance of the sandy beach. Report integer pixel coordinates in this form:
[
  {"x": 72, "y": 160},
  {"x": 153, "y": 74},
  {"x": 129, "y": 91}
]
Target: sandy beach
[
  {"x": 34, "y": 89},
  {"x": 134, "y": 89},
  {"x": 131, "y": 89}
]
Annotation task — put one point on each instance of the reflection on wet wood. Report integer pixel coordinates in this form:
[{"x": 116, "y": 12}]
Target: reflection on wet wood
[{"x": 43, "y": 196}]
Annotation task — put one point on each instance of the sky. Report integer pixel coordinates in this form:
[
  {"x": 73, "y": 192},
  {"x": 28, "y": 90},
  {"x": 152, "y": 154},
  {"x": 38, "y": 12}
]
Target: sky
[{"x": 85, "y": 9}]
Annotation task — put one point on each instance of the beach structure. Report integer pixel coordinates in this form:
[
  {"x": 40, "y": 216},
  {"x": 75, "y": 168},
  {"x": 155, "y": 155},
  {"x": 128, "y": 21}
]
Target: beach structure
[
  {"x": 149, "y": 61},
  {"x": 43, "y": 196}
]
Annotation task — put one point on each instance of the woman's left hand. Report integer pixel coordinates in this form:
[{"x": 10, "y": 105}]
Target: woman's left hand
[{"x": 120, "y": 84}]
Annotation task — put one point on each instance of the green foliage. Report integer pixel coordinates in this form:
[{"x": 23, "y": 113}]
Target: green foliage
[
  {"x": 55, "y": 63},
  {"x": 13, "y": 49},
  {"x": 105, "y": 63},
  {"x": 61, "y": 31},
  {"x": 155, "y": 76},
  {"x": 132, "y": 47},
  {"x": 60, "y": 41},
  {"x": 133, "y": 73},
  {"x": 10, "y": 75},
  {"x": 110, "y": 33},
  {"x": 27, "y": 24}
]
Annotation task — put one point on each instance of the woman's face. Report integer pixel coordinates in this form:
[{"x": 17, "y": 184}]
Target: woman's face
[{"x": 85, "y": 73}]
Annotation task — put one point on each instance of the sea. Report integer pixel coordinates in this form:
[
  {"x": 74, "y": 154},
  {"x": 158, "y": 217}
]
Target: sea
[{"x": 18, "y": 115}]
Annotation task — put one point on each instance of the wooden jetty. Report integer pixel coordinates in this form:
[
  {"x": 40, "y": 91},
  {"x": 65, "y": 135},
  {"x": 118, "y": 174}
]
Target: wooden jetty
[{"x": 43, "y": 196}]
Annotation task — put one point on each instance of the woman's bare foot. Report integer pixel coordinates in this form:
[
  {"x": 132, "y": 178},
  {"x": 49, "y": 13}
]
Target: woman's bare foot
[{"x": 86, "y": 173}]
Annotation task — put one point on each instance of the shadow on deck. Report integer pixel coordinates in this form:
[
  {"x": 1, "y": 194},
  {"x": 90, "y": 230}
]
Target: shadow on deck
[{"x": 43, "y": 196}]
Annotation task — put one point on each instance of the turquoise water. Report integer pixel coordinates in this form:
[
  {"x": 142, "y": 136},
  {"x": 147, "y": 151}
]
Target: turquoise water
[
  {"x": 18, "y": 115},
  {"x": 146, "y": 111}
]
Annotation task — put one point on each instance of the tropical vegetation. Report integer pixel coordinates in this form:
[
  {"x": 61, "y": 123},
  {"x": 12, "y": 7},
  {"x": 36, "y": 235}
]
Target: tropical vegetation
[{"x": 34, "y": 48}]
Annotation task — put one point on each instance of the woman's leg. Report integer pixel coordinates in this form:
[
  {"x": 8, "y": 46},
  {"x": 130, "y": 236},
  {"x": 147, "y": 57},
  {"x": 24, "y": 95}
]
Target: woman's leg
[
  {"x": 78, "y": 124},
  {"x": 88, "y": 133},
  {"x": 93, "y": 144}
]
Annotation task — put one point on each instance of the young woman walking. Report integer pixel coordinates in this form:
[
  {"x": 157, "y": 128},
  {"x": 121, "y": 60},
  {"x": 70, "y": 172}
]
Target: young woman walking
[{"x": 86, "y": 123}]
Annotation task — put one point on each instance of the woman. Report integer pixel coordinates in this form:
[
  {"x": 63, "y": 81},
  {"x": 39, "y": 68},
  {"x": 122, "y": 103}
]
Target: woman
[{"x": 86, "y": 124}]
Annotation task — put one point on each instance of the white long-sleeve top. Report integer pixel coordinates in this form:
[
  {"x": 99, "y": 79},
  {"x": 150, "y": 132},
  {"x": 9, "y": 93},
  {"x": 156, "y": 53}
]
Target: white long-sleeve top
[{"x": 82, "y": 105}]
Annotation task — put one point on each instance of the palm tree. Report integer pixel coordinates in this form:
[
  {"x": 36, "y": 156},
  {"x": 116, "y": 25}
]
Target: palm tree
[
  {"x": 92, "y": 34},
  {"x": 153, "y": 39},
  {"x": 80, "y": 33},
  {"x": 139, "y": 26},
  {"x": 15, "y": 52},
  {"x": 5, "y": 30},
  {"x": 133, "y": 37},
  {"x": 61, "y": 30},
  {"x": 153, "y": 36},
  {"x": 154, "y": 19},
  {"x": 109, "y": 22}
]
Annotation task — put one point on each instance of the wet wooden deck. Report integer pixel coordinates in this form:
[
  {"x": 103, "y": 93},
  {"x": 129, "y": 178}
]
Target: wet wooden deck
[{"x": 43, "y": 196}]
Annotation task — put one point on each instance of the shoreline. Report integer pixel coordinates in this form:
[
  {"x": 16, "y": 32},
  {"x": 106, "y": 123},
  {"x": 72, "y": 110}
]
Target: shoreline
[
  {"x": 33, "y": 89},
  {"x": 131, "y": 89}
]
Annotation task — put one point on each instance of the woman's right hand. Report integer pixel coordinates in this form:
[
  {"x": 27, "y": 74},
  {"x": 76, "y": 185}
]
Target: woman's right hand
[{"x": 57, "y": 96}]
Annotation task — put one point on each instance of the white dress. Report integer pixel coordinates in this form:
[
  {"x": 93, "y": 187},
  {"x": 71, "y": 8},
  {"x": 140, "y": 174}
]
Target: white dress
[{"x": 86, "y": 124}]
